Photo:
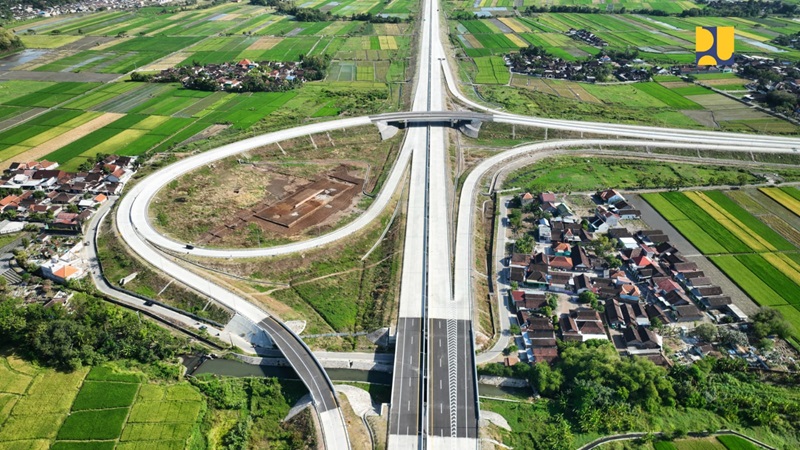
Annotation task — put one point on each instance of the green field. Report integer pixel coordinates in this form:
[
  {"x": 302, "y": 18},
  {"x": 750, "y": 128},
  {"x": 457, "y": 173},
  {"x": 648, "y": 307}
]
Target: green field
[
  {"x": 566, "y": 174},
  {"x": 88, "y": 409},
  {"x": 154, "y": 38},
  {"x": 668, "y": 96},
  {"x": 732, "y": 442},
  {"x": 104, "y": 394},
  {"x": 491, "y": 70},
  {"x": 97, "y": 425}
]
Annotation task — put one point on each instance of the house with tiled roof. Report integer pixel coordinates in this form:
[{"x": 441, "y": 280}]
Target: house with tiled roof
[
  {"x": 582, "y": 324},
  {"x": 640, "y": 340}
]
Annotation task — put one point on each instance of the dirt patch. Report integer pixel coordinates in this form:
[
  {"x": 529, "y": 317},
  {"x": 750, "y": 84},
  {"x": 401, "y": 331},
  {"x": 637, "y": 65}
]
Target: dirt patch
[
  {"x": 359, "y": 436},
  {"x": 725, "y": 81},
  {"x": 265, "y": 43},
  {"x": 168, "y": 62},
  {"x": 703, "y": 117},
  {"x": 211, "y": 131},
  {"x": 675, "y": 84},
  {"x": 40, "y": 151},
  {"x": 210, "y": 197},
  {"x": 310, "y": 204}
]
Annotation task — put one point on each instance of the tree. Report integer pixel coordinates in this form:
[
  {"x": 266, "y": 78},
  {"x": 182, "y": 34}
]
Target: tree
[
  {"x": 514, "y": 329},
  {"x": 656, "y": 323},
  {"x": 524, "y": 244},
  {"x": 9, "y": 41},
  {"x": 768, "y": 321},
  {"x": 706, "y": 332},
  {"x": 545, "y": 380},
  {"x": 732, "y": 338},
  {"x": 552, "y": 300},
  {"x": 510, "y": 349},
  {"x": 515, "y": 219},
  {"x": 587, "y": 297}
]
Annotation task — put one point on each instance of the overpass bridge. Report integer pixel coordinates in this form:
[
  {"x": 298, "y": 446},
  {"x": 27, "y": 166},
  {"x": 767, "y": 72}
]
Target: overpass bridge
[{"x": 468, "y": 122}]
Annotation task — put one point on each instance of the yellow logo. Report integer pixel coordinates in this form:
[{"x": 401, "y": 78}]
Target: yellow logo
[{"x": 714, "y": 46}]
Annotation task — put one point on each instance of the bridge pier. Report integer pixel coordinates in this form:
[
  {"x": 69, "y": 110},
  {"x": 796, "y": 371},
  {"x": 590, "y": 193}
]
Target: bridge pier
[
  {"x": 471, "y": 129},
  {"x": 387, "y": 131}
]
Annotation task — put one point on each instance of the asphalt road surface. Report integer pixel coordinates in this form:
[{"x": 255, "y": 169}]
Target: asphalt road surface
[
  {"x": 450, "y": 360},
  {"x": 405, "y": 415}
]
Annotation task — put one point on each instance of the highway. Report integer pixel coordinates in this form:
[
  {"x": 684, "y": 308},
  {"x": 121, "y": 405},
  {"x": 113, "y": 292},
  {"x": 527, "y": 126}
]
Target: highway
[
  {"x": 406, "y": 415},
  {"x": 434, "y": 396}
]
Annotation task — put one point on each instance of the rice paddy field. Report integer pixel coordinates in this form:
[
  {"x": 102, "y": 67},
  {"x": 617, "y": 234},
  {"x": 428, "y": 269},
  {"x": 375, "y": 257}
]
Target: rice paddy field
[
  {"x": 660, "y": 40},
  {"x": 755, "y": 245},
  {"x": 71, "y": 122},
  {"x": 134, "y": 118},
  {"x": 98, "y": 408},
  {"x": 117, "y": 42},
  {"x": 665, "y": 40}
]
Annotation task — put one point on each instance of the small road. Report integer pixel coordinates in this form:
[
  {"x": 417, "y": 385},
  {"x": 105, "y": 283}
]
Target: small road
[{"x": 502, "y": 287}]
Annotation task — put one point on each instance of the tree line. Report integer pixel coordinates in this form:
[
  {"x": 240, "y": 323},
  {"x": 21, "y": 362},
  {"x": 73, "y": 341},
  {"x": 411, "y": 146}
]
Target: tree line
[
  {"x": 316, "y": 15},
  {"x": 595, "y": 390},
  {"x": 89, "y": 332}
]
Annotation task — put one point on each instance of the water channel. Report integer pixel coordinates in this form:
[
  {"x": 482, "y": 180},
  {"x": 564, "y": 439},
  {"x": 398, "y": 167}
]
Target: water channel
[{"x": 233, "y": 368}]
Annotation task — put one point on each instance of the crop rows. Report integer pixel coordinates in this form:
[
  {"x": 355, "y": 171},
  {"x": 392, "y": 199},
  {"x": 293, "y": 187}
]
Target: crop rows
[
  {"x": 727, "y": 241},
  {"x": 491, "y": 70},
  {"x": 784, "y": 198},
  {"x": 105, "y": 394},
  {"x": 669, "y": 97},
  {"x": 762, "y": 267}
]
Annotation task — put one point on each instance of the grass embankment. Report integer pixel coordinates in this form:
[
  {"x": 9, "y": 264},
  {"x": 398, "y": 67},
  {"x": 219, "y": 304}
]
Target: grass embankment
[
  {"x": 118, "y": 263},
  {"x": 568, "y": 173}
]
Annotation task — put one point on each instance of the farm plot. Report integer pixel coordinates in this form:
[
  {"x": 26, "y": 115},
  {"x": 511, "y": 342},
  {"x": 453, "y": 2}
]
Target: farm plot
[
  {"x": 491, "y": 70},
  {"x": 751, "y": 283},
  {"x": 47, "y": 41},
  {"x": 732, "y": 442},
  {"x": 163, "y": 413},
  {"x": 40, "y": 412},
  {"x": 13, "y": 89},
  {"x": 130, "y": 135},
  {"x": 242, "y": 111},
  {"x": 765, "y": 265},
  {"x": 738, "y": 221},
  {"x": 170, "y": 102},
  {"x": 787, "y": 197},
  {"x": 103, "y": 424},
  {"x": 52, "y": 95},
  {"x": 723, "y": 241},
  {"x": 122, "y": 57},
  {"x": 39, "y": 130},
  {"x": 669, "y": 97},
  {"x": 105, "y": 395},
  {"x": 290, "y": 49},
  {"x": 67, "y": 137},
  {"x": 103, "y": 94}
]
